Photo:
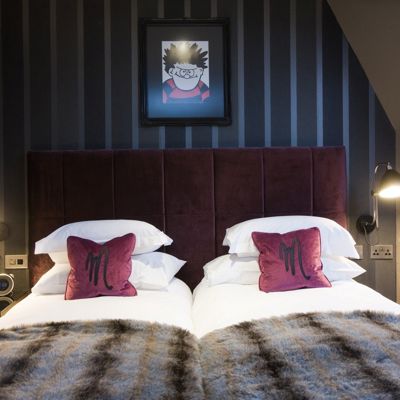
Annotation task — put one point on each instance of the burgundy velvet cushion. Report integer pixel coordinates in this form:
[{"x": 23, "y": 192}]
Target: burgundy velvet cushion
[
  {"x": 100, "y": 269},
  {"x": 290, "y": 261}
]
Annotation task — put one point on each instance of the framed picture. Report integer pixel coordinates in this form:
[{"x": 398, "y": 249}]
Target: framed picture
[{"x": 184, "y": 72}]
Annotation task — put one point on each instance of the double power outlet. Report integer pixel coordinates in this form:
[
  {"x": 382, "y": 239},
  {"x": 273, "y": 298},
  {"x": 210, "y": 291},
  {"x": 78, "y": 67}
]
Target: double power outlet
[{"x": 377, "y": 251}]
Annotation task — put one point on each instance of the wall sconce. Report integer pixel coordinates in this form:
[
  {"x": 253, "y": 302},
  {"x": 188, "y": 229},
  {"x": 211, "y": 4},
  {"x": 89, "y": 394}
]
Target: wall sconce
[{"x": 387, "y": 188}]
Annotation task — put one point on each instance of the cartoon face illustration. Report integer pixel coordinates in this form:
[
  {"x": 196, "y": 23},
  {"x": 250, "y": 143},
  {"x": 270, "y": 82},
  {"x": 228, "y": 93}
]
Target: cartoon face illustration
[
  {"x": 186, "y": 76},
  {"x": 184, "y": 65}
]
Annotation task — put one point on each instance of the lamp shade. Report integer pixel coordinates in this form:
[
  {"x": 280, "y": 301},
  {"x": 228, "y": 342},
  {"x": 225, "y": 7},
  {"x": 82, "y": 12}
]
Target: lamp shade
[{"x": 389, "y": 186}]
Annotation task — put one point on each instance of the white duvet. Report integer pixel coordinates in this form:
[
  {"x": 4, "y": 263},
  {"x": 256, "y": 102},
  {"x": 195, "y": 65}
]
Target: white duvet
[
  {"x": 227, "y": 304},
  {"x": 170, "y": 306},
  {"x": 213, "y": 307}
]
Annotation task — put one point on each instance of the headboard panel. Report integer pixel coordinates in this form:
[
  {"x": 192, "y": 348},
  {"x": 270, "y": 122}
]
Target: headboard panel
[{"x": 193, "y": 195}]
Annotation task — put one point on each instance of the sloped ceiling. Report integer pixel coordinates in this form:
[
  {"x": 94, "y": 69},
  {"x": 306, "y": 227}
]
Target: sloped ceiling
[{"x": 372, "y": 28}]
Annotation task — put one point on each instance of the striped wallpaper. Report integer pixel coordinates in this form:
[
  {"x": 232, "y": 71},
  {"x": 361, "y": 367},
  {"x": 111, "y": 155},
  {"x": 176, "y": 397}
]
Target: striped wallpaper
[{"x": 69, "y": 73}]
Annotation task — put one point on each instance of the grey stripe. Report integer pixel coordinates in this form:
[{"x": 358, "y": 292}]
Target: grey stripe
[
  {"x": 27, "y": 117},
  {"x": 100, "y": 360},
  {"x": 53, "y": 73},
  {"x": 81, "y": 74},
  {"x": 381, "y": 323},
  {"x": 26, "y": 357},
  {"x": 187, "y": 8},
  {"x": 214, "y": 8},
  {"x": 344, "y": 347},
  {"x": 272, "y": 362},
  {"x": 134, "y": 88},
  {"x": 142, "y": 377},
  {"x": 214, "y": 129},
  {"x": 107, "y": 74},
  {"x": 161, "y": 137},
  {"x": 180, "y": 352},
  {"x": 214, "y": 133},
  {"x": 240, "y": 77},
  {"x": 161, "y": 129},
  {"x": 267, "y": 74},
  {"x": 293, "y": 75},
  {"x": 345, "y": 105},
  {"x": 320, "y": 99},
  {"x": 188, "y": 137},
  {"x": 188, "y": 129},
  {"x": 371, "y": 135}
]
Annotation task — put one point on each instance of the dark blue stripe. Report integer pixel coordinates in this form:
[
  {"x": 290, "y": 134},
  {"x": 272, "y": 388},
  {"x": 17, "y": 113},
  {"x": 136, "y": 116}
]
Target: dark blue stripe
[
  {"x": 94, "y": 74},
  {"x": 280, "y": 72}
]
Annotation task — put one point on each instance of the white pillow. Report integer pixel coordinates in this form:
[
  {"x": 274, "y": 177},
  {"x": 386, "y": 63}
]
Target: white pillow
[
  {"x": 150, "y": 271},
  {"x": 337, "y": 268},
  {"x": 335, "y": 240},
  {"x": 148, "y": 237},
  {"x": 59, "y": 257},
  {"x": 53, "y": 281},
  {"x": 230, "y": 268},
  {"x": 154, "y": 271}
]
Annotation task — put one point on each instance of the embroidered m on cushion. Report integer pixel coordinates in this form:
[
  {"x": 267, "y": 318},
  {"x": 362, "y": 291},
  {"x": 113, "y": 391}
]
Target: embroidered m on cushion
[
  {"x": 100, "y": 269},
  {"x": 290, "y": 261}
]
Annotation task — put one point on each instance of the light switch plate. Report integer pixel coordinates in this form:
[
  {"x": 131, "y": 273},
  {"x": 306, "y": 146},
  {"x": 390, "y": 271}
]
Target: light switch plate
[{"x": 16, "y": 261}]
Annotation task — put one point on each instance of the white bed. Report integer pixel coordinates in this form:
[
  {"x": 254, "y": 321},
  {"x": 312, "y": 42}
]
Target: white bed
[
  {"x": 168, "y": 306},
  {"x": 219, "y": 306}
]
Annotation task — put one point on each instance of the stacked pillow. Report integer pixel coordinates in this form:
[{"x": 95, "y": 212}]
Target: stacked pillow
[
  {"x": 106, "y": 257},
  {"x": 284, "y": 253}
]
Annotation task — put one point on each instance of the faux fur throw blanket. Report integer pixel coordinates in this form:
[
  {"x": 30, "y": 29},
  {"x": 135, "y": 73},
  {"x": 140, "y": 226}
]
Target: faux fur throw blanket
[
  {"x": 110, "y": 359},
  {"x": 302, "y": 356},
  {"x": 305, "y": 356}
]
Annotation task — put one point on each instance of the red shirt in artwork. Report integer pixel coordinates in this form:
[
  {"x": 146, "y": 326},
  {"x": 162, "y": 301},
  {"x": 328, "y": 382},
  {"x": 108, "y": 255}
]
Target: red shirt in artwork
[{"x": 172, "y": 94}]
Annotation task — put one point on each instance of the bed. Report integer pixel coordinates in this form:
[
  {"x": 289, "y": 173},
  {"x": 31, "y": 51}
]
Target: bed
[{"x": 156, "y": 345}]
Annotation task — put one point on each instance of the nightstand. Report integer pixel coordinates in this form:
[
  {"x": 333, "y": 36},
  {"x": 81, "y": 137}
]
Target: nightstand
[{"x": 16, "y": 301}]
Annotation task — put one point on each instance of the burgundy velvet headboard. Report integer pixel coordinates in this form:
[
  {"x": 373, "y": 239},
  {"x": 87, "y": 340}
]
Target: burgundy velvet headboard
[{"x": 192, "y": 195}]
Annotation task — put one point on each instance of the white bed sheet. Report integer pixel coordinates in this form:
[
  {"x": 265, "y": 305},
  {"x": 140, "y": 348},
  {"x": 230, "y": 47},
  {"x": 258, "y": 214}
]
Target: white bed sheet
[
  {"x": 222, "y": 305},
  {"x": 170, "y": 306}
]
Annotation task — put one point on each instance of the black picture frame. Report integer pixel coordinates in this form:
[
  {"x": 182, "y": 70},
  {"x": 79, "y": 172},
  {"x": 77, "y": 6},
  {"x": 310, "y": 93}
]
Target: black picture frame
[{"x": 162, "y": 100}]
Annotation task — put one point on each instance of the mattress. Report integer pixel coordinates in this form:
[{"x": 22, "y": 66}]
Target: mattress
[
  {"x": 223, "y": 305},
  {"x": 170, "y": 306}
]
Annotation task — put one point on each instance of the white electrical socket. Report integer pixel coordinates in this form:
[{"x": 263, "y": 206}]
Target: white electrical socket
[
  {"x": 382, "y": 252},
  {"x": 16, "y": 261}
]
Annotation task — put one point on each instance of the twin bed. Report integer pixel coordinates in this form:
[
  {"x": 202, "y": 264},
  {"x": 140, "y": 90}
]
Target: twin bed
[{"x": 225, "y": 340}]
